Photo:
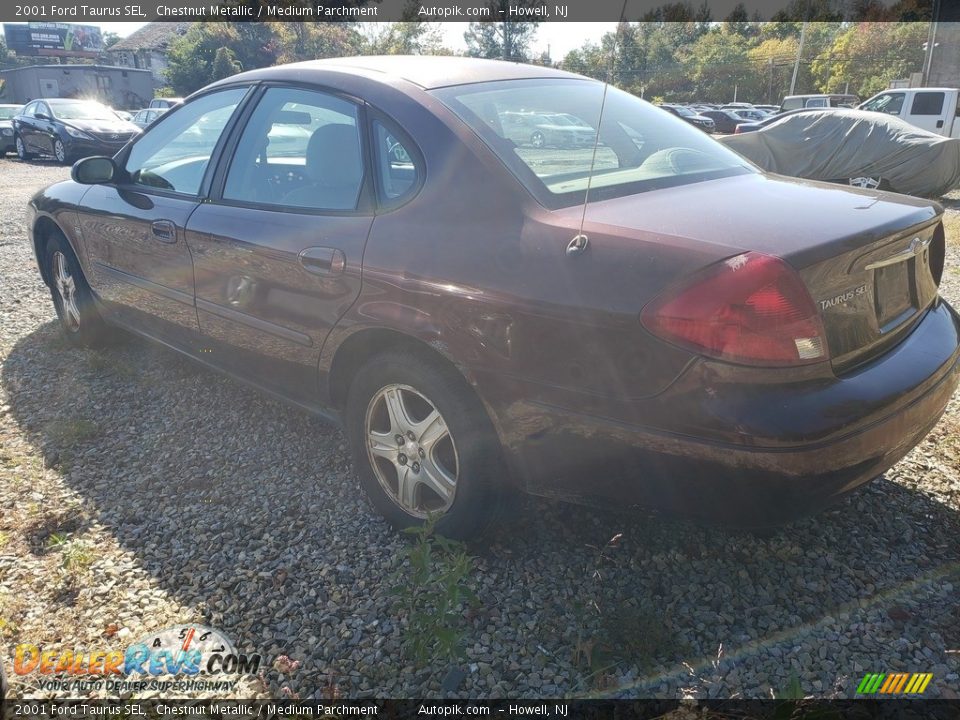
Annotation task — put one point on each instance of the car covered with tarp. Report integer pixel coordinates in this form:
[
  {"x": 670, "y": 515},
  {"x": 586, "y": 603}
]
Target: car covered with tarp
[{"x": 864, "y": 149}]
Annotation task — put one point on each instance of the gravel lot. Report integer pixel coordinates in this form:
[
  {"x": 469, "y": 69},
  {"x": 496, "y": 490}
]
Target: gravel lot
[{"x": 139, "y": 491}]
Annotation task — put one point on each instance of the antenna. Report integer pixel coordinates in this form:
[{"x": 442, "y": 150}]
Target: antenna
[{"x": 579, "y": 242}]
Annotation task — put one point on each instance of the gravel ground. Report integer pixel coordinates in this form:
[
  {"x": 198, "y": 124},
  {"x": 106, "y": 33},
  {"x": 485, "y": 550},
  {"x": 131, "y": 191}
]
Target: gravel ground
[{"x": 138, "y": 491}]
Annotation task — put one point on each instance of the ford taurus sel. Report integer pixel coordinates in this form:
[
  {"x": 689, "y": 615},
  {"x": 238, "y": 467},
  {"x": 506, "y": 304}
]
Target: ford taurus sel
[{"x": 649, "y": 320}]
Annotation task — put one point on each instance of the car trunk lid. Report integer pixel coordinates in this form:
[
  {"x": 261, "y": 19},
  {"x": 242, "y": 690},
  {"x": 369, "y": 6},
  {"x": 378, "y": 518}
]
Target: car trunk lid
[{"x": 867, "y": 258}]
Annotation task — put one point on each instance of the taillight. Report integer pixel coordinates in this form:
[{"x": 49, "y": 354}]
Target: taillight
[{"x": 750, "y": 309}]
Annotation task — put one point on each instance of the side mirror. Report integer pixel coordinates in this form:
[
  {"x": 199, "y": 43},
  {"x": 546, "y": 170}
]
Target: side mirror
[
  {"x": 41, "y": 116},
  {"x": 93, "y": 170}
]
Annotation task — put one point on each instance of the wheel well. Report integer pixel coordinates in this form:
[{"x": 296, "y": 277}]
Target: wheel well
[
  {"x": 43, "y": 230},
  {"x": 365, "y": 344}
]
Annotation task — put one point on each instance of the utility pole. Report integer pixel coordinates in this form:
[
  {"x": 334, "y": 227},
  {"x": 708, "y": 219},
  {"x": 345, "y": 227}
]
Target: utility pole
[
  {"x": 931, "y": 43},
  {"x": 796, "y": 64}
]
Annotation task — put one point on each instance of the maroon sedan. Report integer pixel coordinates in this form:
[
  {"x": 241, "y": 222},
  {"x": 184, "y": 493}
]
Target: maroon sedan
[{"x": 648, "y": 320}]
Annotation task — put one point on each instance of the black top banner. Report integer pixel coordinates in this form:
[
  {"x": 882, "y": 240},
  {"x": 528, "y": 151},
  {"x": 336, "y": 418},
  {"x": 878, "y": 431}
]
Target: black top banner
[{"x": 476, "y": 10}]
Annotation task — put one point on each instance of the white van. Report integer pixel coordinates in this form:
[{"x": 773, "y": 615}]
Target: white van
[{"x": 933, "y": 109}]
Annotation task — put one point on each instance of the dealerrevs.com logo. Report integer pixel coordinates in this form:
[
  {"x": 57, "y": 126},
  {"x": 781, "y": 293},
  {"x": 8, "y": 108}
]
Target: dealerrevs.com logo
[{"x": 196, "y": 657}]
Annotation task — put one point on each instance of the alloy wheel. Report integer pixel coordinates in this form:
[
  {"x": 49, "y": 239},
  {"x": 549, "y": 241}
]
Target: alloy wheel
[
  {"x": 537, "y": 139},
  {"x": 67, "y": 290},
  {"x": 21, "y": 150},
  {"x": 411, "y": 450},
  {"x": 60, "y": 151}
]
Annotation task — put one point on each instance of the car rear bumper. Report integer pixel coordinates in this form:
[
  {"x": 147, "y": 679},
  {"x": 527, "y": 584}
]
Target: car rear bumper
[{"x": 762, "y": 458}]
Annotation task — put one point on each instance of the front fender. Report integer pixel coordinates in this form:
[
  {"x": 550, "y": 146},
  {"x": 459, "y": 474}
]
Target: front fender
[{"x": 55, "y": 207}]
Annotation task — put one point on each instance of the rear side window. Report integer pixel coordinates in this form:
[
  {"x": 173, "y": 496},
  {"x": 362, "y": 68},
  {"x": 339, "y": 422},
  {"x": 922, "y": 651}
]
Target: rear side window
[
  {"x": 398, "y": 171},
  {"x": 927, "y": 103},
  {"x": 792, "y": 104},
  {"x": 816, "y": 102}
]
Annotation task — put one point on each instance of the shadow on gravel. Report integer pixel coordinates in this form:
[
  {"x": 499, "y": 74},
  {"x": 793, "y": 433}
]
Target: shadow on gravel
[{"x": 248, "y": 512}]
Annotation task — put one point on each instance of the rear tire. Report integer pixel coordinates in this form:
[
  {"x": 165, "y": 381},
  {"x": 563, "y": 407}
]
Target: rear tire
[
  {"x": 72, "y": 297},
  {"x": 22, "y": 149},
  {"x": 423, "y": 445}
]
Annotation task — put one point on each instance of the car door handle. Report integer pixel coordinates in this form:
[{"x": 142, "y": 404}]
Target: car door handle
[
  {"x": 323, "y": 261},
  {"x": 939, "y": 123},
  {"x": 164, "y": 231}
]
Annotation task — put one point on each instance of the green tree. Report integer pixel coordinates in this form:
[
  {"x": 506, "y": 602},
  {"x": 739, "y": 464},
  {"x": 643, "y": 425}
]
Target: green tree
[
  {"x": 403, "y": 38},
  {"x": 224, "y": 64},
  {"x": 504, "y": 39},
  {"x": 866, "y": 56}
]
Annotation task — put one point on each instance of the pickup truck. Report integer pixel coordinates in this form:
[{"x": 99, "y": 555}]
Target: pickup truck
[{"x": 935, "y": 110}]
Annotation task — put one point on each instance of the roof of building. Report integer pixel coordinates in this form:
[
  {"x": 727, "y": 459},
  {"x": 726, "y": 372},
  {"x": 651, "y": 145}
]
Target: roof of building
[
  {"x": 152, "y": 36},
  {"x": 67, "y": 68}
]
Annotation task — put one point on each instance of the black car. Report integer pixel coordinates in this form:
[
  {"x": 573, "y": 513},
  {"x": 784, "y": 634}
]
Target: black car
[
  {"x": 695, "y": 119},
  {"x": 726, "y": 121},
  {"x": 6, "y": 128},
  {"x": 69, "y": 129}
]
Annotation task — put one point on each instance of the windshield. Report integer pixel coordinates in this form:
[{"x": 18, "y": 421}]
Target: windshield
[
  {"x": 82, "y": 111},
  {"x": 680, "y": 110},
  {"x": 8, "y": 112},
  {"x": 639, "y": 148}
]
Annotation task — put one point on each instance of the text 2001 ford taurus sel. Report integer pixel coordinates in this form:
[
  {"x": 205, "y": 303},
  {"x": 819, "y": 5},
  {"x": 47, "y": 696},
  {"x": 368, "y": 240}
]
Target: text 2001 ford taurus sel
[{"x": 361, "y": 237}]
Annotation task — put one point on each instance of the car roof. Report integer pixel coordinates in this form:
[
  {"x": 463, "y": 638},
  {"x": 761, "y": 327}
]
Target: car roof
[{"x": 422, "y": 70}]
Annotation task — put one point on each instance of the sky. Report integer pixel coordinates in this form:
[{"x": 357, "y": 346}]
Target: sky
[{"x": 561, "y": 37}]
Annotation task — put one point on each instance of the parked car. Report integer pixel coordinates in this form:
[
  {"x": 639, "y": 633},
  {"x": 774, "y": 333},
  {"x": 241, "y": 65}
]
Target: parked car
[
  {"x": 935, "y": 110},
  {"x": 687, "y": 115},
  {"x": 799, "y": 102},
  {"x": 539, "y": 129},
  {"x": 752, "y": 114},
  {"x": 725, "y": 121},
  {"x": 69, "y": 129},
  {"x": 854, "y": 147},
  {"x": 481, "y": 320},
  {"x": 753, "y": 126},
  {"x": 7, "y": 112},
  {"x": 164, "y": 103},
  {"x": 144, "y": 117}
]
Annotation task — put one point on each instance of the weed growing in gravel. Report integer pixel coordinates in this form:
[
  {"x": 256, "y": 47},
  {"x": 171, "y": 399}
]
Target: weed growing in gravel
[
  {"x": 4, "y": 539},
  {"x": 77, "y": 554},
  {"x": 613, "y": 632},
  {"x": 793, "y": 690},
  {"x": 104, "y": 362},
  {"x": 72, "y": 432},
  {"x": 432, "y": 589}
]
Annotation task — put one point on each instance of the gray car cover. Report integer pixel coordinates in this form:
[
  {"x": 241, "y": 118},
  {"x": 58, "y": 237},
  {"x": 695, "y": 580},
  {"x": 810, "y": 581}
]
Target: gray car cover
[{"x": 837, "y": 144}]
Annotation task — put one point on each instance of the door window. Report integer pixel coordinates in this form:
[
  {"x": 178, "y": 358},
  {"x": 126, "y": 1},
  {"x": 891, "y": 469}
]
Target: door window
[
  {"x": 300, "y": 148},
  {"x": 173, "y": 155},
  {"x": 927, "y": 103},
  {"x": 890, "y": 103},
  {"x": 817, "y": 102}
]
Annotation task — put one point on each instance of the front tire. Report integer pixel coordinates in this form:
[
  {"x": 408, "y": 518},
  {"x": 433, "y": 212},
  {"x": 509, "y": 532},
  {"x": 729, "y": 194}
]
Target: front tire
[
  {"x": 60, "y": 152},
  {"x": 423, "y": 445},
  {"x": 72, "y": 297}
]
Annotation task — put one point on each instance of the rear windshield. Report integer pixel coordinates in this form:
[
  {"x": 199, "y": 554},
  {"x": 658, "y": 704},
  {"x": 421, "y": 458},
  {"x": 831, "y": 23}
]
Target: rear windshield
[{"x": 639, "y": 147}]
